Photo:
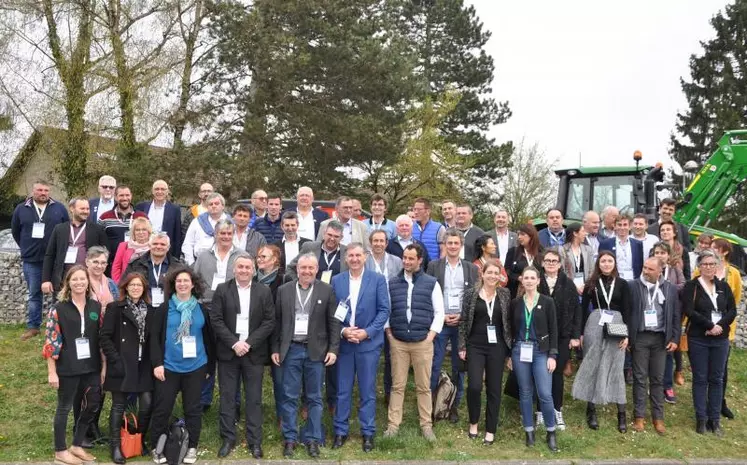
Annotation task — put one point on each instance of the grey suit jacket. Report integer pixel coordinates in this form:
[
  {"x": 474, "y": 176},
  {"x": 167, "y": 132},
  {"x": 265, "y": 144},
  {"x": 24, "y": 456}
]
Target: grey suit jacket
[
  {"x": 314, "y": 247},
  {"x": 567, "y": 260},
  {"x": 437, "y": 269},
  {"x": 360, "y": 232},
  {"x": 512, "y": 237},
  {"x": 324, "y": 328},
  {"x": 472, "y": 235},
  {"x": 393, "y": 265}
]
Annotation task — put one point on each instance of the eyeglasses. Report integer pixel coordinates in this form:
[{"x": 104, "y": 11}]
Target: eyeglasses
[
  {"x": 98, "y": 263},
  {"x": 107, "y": 187},
  {"x": 707, "y": 265},
  {"x": 551, "y": 262},
  {"x": 264, "y": 257},
  {"x": 135, "y": 284}
]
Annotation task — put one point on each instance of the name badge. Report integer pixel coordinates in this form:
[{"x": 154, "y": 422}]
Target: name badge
[
  {"x": 189, "y": 347},
  {"x": 341, "y": 312},
  {"x": 217, "y": 279},
  {"x": 606, "y": 317},
  {"x": 242, "y": 326},
  {"x": 578, "y": 279},
  {"x": 715, "y": 317},
  {"x": 37, "y": 231},
  {"x": 127, "y": 237},
  {"x": 649, "y": 318},
  {"x": 492, "y": 337},
  {"x": 302, "y": 325},
  {"x": 71, "y": 255},
  {"x": 156, "y": 296},
  {"x": 82, "y": 348},
  {"x": 526, "y": 351},
  {"x": 326, "y": 276},
  {"x": 454, "y": 299}
]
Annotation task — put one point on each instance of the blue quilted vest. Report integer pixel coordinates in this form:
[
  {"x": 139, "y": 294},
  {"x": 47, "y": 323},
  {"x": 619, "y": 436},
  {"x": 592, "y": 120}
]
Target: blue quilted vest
[
  {"x": 429, "y": 237},
  {"x": 421, "y": 305}
]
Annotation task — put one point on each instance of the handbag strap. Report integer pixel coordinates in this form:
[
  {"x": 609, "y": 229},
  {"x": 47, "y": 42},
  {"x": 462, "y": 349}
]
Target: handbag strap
[{"x": 134, "y": 420}]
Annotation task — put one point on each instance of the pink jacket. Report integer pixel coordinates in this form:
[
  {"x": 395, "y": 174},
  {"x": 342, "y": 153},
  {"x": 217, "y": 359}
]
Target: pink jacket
[{"x": 121, "y": 260}]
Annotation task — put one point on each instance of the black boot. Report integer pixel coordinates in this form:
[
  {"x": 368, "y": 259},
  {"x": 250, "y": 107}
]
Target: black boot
[
  {"x": 591, "y": 416},
  {"x": 552, "y": 441},
  {"x": 622, "y": 422},
  {"x": 716, "y": 428},
  {"x": 145, "y": 449},
  {"x": 116, "y": 450},
  {"x": 530, "y": 438},
  {"x": 700, "y": 427}
]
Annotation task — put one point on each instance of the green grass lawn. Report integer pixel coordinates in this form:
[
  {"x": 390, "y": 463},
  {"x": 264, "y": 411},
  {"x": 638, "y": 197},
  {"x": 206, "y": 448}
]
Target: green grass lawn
[{"x": 27, "y": 407}]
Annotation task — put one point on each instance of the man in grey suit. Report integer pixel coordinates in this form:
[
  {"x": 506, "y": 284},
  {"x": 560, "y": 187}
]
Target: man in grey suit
[
  {"x": 455, "y": 276},
  {"x": 503, "y": 238},
  {"x": 305, "y": 340},
  {"x": 329, "y": 252},
  {"x": 353, "y": 230},
  {"x": 471, "y": 232},
  {"x": 379, "y": 261}
]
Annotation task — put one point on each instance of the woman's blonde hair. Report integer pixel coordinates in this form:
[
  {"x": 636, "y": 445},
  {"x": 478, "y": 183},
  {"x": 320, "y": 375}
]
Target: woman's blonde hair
[
  {"x": 64, "y": 294},
  {"x": 138, "y": 221}
]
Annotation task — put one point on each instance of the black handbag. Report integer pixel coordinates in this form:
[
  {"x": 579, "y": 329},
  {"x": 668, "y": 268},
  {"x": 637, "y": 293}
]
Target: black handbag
[{"x": 615, "y": 331}]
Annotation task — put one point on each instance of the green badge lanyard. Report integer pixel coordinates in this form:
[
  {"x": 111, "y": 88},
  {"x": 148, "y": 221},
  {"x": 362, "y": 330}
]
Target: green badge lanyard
[{"x": 528, "y": 315}]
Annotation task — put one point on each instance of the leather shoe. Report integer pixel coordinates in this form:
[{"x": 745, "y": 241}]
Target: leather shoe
[
  {"x": 313, "y": 449},
  {"x": 29, "y": 333},
  {"x": 638, "y": 425},
  {"x": 256, "y": 450},
  {"x": 226, "y": 448},
  {"x": 368, "y": 443},
  {"x": 117, "y": 456},
  {"x": 339, "y": 441},
  {"x": 289, "y": 449},
  {"x": 552, "y": 441},
  {"x": 454, "y": 414},
  {"x": 86, "y": 444},
  {"x": 659, "y": 427},
  {"x": 700, "y": 427},
  {"x": 530, "y": 438},
  {"x": 591, "y": 416}
]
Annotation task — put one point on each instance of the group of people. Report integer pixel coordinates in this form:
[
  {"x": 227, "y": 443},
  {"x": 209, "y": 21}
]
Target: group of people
[{"x": 148, "y": 305}]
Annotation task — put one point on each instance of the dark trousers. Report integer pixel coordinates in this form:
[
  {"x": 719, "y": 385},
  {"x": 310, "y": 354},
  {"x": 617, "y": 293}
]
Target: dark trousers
[
  {"x": 364, "y": 367},
  {"x": 674, "y": 363},
  {"x": 558, "y": 382},
  {"x": 487, "y": 360},
  {"x": 726, "y": 375},
  {"x": 85, "y": 387},
  {"x": 299, "y": 371},
  {"x": 387, "y": 368},
  {"x": 649, "y": 359},
  {"x": 166, "y": 391},
  {"x": 707, "y": 360},
  {"x": 119, "y": 402},
  {"x": 330, "y": 383},
  {"x": 448, "y": 333},
  {"x": 230, "y": 374}
]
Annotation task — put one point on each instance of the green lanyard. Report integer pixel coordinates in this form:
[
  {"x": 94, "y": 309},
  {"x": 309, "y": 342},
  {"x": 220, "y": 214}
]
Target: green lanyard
[{"x": 528, "y": 315}]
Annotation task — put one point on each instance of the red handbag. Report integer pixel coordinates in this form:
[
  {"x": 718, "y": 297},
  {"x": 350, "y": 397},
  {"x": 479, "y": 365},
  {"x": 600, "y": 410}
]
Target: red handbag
[{"x": 131, "y": 443}]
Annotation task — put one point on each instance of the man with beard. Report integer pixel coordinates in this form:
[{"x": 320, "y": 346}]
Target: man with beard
[{"x": 116, "y": 222}]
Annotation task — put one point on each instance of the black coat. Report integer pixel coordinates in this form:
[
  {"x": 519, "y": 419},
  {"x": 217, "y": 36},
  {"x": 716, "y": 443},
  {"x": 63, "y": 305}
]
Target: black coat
[
  {"x": 223, "y": 311},
  {"x": 157, "y": 338},
  {"x": 119, "y": 341},
  {"x": 567, "y": 306},
  {"x": 516, "y": 261},
  {"x": 697, "y": 306},
  {"x": 544, "y": 321},
  {"x": 281, "y": 245},
  {"x": 54, "y": 258}
]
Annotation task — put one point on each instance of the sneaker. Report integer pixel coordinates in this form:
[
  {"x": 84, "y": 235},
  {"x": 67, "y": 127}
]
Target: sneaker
[
  {"x": 191, "y": 456},
  {"x": 559, "y": 422},
  {"x": 669, "y": 396},
  {"x": 158, "y": 458},
  {"x": 540, "y": 420}
]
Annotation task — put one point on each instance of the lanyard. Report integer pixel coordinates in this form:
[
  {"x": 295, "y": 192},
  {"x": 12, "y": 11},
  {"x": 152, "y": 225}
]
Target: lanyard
[
  {"x": 554, "y": 238},
  {"x": 328, "y": 260},
  {"x": 157, "y": 274},
  {"x": 529, "y": 315},
  {"x": 308, "y": 296},
  {"x": 40, "y": 211},
  {"x": 666, "y": 272},
  {"x": 577, "y": 259},
  {"x": 712, "y": 295},
  {"x": 490, "y": 304},
  {"x": 529, "y": 258},
  {"x": 376, "y": 227},
  {"x": 652, "y": 297},
  {"x": 124, "y": 217},
  {"x": 607, "y": 297},
  {"x": 76, "y": 236}
]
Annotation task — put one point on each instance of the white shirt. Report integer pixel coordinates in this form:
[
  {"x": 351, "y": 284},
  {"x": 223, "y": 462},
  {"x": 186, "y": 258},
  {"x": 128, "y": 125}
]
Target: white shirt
[
  {"x": 104, "y": 207},
  {"x": 355, "y": 289},
  {"x": 155, "y": 215},
  {"x": 239, "y": 239},
  {"x": 197, "y": 241},
  {"x": 291, "y": 250},
  {"x": 244, "y": 301},
  {"x": 306, "y": 225},
  {"x": 624, "y": 259},
  {"x": 222, "y": 265},
  {"x": 404, "y": 242},
  {"x": 648, "y": 241},
  {"x": 437, "y": 299},
  {"x": 347, "y": 232},
  {"x": 502, "y": 245}
]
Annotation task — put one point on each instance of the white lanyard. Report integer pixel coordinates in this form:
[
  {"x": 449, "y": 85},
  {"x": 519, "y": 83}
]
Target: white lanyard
[
  {"x": 382, "y": 271},
  {"x": 713, "y": 295},
  {"x": 666, "y": 272},
  {"x": 40, "y": 211},
  {"x": 650, "y": 297},
  {"x": 490, "y": 306},
  {"x": 607, "y": 297},
  {"x": 76, "y": 236},
  {"x": 529, "y": 258},
  {"x": 328, "y": 260},
  {"x": 82, "y": 322},
  {"x": 554, "y": 238},
  {"x": 308, "y": 296},
  {"x": 577, "y": 259},
  {"x": 157, "y": 274},
  {"x": 376, "y": 227}
]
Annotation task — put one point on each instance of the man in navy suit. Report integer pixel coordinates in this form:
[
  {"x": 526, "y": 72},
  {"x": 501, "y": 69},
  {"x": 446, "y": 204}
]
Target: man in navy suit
[
  {"x": 628, "y": 251},
  {"x": 164, "y": 216},
  {"x": 105, "y": 201},
  {"x": 363, "y": 310}
]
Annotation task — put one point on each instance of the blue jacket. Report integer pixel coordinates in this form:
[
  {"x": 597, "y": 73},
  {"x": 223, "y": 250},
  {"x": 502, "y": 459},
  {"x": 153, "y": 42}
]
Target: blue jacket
[
  {"x": 636, "y": 249},
  {"x": 172, "y": 224},
  {"x": 372, "y": 309},
  {"x": 22, "y": 225},
  {"x": 421, "y": 306},
  {"x": 270, "y": 229},
  {"x": 547, "y": 242},
  {"x": 429, "y": 237}
]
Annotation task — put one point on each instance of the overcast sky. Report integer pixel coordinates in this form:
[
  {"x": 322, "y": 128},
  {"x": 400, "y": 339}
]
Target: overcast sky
[{"x": 584, "y": 76}]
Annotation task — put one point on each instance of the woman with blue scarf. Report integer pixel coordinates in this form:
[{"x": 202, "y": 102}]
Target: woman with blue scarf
[{"x": 182, "y": 353}]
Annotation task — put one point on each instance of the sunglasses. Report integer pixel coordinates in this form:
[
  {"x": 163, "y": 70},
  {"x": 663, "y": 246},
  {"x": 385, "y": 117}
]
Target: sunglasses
[{"x": 107, "y": 187}]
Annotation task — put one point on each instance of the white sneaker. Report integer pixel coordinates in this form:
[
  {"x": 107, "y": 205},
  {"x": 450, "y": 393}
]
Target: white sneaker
[
  {"x": 158, "y": 458},
  {"x": 559, "y": 422},
  {"x": 191, "y": 456},
  {"x": 540, "y": 420}
]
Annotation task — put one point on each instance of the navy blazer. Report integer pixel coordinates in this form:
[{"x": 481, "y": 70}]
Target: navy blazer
[
  {"x": 396, "y": 249},
  {"x": 93, "y": 204},
  {"x": 636, "y": 248},
  {"x": 372, "y": 309},
  {"x": 172, "y": 224}
]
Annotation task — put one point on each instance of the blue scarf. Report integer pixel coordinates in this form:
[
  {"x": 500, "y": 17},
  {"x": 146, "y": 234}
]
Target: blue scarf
[
  {"x": 204, "y": 221},
  {"x": 185, "y": 309}
]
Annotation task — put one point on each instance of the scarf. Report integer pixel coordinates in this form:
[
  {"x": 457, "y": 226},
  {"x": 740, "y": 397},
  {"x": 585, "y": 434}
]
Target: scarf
[
  {"x": 204, "y": 221},
  {"x": 140, "y": 310},
  {"x": 102, "y": 295},
  {"x": 185, "y": 309},
  {"x": 138, "y": 250},
  {"x": 268, "y": 278}
]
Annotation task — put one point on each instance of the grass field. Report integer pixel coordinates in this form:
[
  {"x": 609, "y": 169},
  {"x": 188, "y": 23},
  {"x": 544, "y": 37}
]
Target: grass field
[{"x": 27, "y": 407}]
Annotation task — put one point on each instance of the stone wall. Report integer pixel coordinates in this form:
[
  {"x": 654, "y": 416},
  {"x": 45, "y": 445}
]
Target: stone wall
[
  {"x": 741, "y": 338},
  {"x": 13, "y": 293}
]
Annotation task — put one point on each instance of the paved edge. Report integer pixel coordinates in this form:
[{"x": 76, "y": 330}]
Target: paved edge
[{"x": 446, "y": 462}]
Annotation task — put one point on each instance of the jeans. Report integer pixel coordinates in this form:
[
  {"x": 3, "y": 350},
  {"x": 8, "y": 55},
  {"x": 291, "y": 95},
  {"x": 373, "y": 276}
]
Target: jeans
[
  {"x": 448, "y": 333},
  {"x": 708, "y": 360},
  {"x": 189, "y": 384},
  {"x": 531, "y": 376},
  {"x": 87, "y": 388},
  {"x": 297, "y": 369},
  {"x": 32, "y": 273},
  {"x": 673, "y": 363}
]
